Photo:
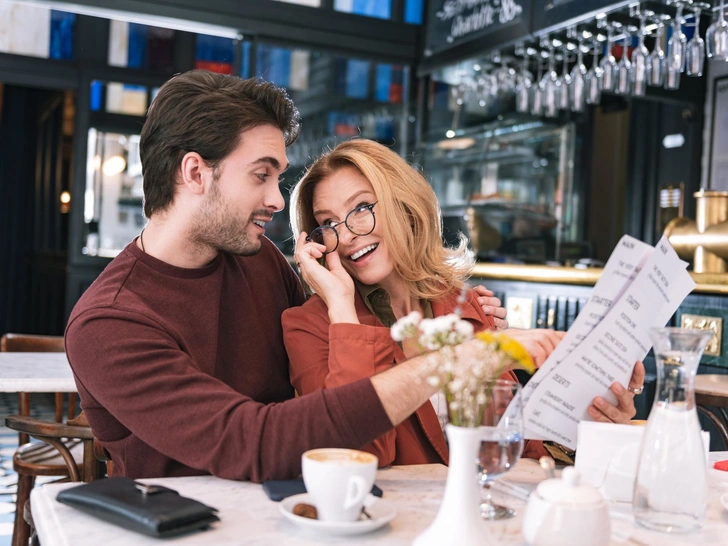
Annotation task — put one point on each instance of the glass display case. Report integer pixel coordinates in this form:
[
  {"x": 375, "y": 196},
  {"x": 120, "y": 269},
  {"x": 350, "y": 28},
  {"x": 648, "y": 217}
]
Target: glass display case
[
  {"x": 508, "y": 186},
  {"x": 113, "y": 213}
]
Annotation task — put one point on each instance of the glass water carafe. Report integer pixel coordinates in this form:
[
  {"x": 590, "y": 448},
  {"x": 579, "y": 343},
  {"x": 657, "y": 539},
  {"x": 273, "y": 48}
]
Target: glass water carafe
[{"x": 671, "y": 487}]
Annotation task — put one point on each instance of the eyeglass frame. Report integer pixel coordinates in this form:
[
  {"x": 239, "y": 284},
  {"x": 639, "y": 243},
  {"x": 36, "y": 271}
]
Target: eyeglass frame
[{"x": 334, "y": 225}]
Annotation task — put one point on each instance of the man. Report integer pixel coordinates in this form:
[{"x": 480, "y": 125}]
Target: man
[{"x": 177, "y": 347}]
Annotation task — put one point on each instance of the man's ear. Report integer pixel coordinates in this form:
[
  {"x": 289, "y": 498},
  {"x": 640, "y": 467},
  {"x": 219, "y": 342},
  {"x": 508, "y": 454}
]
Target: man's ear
[{"x": 195, "y": 174}]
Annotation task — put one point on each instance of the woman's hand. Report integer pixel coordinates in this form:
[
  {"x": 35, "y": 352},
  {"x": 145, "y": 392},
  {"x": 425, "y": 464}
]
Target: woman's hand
[
  {"x": 492, "y": 306},
  {"x": 601, "y": 410},
  {"x": 333, "y": 285}
]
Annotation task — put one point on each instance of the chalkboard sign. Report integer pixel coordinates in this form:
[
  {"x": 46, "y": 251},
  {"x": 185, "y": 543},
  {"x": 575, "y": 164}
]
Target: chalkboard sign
[{"x": 454, "y": 22}]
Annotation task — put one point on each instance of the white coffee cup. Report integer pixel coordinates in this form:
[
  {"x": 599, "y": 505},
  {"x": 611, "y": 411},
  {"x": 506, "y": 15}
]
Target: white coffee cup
[{"x": 338, "y": 481}]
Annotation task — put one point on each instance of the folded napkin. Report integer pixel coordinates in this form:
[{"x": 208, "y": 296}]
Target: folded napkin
[{"x": 608, "y": 455}]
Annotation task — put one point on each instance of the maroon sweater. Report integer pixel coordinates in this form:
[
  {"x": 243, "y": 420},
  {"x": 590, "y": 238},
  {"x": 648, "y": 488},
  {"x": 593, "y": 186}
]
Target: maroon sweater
[{"x": 184, "y": 371}]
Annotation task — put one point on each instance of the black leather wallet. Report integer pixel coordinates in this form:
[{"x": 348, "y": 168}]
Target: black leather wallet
[{"x": 149, "y": 509}]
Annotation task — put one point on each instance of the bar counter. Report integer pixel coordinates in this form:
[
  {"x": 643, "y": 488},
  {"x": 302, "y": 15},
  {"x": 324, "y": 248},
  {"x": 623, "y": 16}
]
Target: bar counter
[{"x": 708, "y": 283}]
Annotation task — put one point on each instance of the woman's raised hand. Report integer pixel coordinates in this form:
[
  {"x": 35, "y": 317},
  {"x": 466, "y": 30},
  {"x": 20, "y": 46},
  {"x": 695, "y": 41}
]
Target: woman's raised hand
[{"x": 333, "y": 285}]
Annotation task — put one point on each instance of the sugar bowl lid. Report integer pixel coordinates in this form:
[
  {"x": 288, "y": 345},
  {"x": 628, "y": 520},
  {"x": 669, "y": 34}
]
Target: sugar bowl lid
[{"x": 568, "y": 489}]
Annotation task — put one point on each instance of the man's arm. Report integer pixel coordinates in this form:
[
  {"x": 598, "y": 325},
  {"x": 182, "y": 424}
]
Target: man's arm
[
  {"x": 135, "y": 380},
  {"x": 402, "y": 390}
]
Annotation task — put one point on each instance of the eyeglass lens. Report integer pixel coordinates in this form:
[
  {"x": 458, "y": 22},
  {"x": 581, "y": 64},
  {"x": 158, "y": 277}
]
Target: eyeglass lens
[{"x": 359, "y": 221}]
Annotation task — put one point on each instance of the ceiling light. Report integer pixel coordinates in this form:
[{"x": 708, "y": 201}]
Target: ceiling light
[{"x": 114, "y": 165}]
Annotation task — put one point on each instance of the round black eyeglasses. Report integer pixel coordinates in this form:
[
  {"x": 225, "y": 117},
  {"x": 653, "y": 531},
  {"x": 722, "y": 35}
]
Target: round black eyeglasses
[{"x": 360, "y": 221}]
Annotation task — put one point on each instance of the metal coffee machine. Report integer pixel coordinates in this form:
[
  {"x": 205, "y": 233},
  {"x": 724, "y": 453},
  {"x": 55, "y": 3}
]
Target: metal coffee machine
[{"x": 705, "y": 240}]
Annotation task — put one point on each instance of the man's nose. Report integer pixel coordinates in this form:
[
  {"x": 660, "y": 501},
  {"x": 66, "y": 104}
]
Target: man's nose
[{"x": 274, "y": 199}]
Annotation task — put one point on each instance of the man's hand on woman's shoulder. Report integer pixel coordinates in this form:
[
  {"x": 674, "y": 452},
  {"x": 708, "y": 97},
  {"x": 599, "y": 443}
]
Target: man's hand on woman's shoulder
[{"x": 492, "y": 306}]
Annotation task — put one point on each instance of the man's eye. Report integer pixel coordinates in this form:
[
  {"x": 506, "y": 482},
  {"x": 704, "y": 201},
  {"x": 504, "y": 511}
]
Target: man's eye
[{"x": 262, "y": 176}]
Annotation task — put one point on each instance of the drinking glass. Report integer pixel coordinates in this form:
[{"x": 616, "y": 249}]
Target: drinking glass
[
  {"x": 657, "y": 60},
  {"x": 670, "y": 492},
  {"x": 594, "y": 79},
  {"x": 537, "y": 93},
  {"x": 482, "y": 89},
  {"x": 624, "y": 68},
  {"x": 506, "y": 77},
  {"x": 695, "y": 50},
  {"x": 717, "y": 37},
  {"x": 524, "y": 82},
  {"x": 564, "y": 83},
  {"x": 550, "y": 88},
  {"x": 502, "y": 442},
  {"x": 577, "y": 91},
  {"x": 640, "y": 58},
  {"x": 677, "y": 43},
  {"x": 608, "y": 66}
]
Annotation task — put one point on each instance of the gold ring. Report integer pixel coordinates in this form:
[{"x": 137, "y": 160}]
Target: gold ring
[{"x": 636, "y": 391}]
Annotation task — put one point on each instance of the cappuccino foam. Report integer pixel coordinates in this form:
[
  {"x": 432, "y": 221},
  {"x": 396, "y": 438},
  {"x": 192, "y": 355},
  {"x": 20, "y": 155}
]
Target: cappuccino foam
[{"x": 340, "y": 456}]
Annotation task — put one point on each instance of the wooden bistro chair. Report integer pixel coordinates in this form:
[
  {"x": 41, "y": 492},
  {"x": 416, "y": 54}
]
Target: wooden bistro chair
[
  {"x": 67, "y": 450},
  {"x": 38, "y": 459}
]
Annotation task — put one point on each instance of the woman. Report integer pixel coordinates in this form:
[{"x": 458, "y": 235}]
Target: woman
[{"x": 376, "y": 221}]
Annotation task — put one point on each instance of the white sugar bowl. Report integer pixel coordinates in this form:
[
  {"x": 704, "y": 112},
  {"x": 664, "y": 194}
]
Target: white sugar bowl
[{"x": 562, "y": 511}]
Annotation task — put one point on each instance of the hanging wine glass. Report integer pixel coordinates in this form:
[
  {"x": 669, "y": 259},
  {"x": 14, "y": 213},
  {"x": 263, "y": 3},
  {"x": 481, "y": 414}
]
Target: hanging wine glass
[
  {"x": 657, "y": 60},
  {"x": 677, "y": 44},
  {"x": 565, "y": 83},
  {"x": 524, "y": 82},
  {"x": 506, "y": 77},
  {"x": 717, "y": 37},
  {"x": 594, "y": 79},
  {"x": 608, "y": 65},
  {"x": 550, "y": 88},
  {"x": 537, "y": 93},
  {"x": 624, "y": 67},
  {"x": 482, "y": 90},
  {"x": 577, "y": 91},
  {"x": 695, "y": 50},
  {"x": 640, "y": 57}
]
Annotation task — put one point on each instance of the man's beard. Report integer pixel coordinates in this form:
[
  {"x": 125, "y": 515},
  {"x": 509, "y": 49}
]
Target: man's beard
[{"x": 217, "y": 227}]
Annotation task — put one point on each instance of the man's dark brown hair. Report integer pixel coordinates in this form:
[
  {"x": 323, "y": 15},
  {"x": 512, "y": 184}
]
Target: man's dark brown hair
[{"x": 204, "y": 112}]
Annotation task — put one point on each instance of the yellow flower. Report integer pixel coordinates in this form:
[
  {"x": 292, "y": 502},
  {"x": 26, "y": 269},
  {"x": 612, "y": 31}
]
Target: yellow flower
[{"x": 512, "y": 349}]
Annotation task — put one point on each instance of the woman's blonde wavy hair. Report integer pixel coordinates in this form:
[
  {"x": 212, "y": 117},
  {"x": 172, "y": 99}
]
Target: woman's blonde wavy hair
[{"x": 407, "y": 208}]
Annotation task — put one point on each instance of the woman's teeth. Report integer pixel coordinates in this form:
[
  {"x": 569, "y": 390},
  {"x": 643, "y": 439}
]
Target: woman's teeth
[{"x": 363, "y": 251}]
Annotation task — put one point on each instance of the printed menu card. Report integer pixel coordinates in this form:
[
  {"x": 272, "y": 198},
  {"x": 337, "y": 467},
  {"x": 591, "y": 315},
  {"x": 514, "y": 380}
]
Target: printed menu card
[{"x": 641, "y": 288}]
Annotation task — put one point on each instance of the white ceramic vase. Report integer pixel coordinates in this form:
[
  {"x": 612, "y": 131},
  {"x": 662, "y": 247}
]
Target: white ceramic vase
[{"x": 458, "y": 521}]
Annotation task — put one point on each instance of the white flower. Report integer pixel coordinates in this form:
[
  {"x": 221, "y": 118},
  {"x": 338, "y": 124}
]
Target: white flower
[
  {"x": 456, "y": 385},
  {"x": 406, "y": 326},
  {"x": 433, "y": 381},
  {"x": 464, "y": 329}
]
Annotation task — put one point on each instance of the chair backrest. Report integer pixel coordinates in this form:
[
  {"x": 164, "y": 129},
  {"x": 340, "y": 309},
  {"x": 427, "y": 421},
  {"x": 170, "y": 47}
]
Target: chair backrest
[{"x": 27, "y": 343}]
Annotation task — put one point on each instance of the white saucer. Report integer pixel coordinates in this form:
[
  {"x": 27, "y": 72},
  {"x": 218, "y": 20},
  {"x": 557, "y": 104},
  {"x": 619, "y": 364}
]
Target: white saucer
[
  {"x": 382, "y": 512},
  {"x": 724, "y": 501}
]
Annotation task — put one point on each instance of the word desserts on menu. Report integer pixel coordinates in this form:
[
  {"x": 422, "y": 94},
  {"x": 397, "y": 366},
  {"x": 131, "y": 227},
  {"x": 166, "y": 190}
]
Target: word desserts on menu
[{"x": 641, "y": 288}]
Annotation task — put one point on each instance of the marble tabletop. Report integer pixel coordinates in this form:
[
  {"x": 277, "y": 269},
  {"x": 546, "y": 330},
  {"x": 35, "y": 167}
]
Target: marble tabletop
[
  {"x": 248, "y": 517},
  {"x": 35, "y": 372}
]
